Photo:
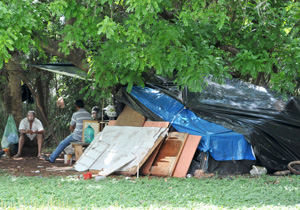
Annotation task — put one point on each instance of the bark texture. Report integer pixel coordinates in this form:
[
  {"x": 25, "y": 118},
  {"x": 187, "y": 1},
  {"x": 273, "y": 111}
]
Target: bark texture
[{"x": 14, "y": 100}]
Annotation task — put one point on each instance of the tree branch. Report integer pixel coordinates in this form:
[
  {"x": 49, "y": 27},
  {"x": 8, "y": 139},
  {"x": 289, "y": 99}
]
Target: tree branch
[
  {"x": 230, "y": 49},
  {"x": 77, "y": 56}
]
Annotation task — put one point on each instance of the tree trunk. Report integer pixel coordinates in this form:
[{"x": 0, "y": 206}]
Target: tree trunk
[
  {"x": 40, "y": 94},
  {"x": 38, "y": 105},
  {"x": 14, "y": 93}
]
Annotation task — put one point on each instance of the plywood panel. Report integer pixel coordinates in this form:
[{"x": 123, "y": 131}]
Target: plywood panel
[
  {"x": 168, "y": 155},
  {"x": 186, "y": 156},
  {"x": 130, "y": 117}
]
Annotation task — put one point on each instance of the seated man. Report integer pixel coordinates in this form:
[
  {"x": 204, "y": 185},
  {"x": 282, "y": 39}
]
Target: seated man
[
  {"x": 76, "y": 126},
  {"x": 31, "y": 133}
]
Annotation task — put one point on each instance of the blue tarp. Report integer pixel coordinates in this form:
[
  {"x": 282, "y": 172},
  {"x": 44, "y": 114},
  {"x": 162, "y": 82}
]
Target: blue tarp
[{"x": 223, "y": 144}]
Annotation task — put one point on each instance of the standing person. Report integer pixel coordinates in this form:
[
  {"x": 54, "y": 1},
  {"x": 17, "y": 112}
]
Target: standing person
[
  {"x": 76, "y": 126},
  {"x": 31, "y": 133}
]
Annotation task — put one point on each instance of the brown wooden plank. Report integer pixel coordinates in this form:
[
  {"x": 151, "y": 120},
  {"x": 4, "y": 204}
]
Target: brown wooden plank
[
  {"x": 156, "y": 124},
  {"x": 111, "y": 123},
  {"x": 167, "y": 157},
  {"x": 78, "y": 150},
  {"x": 145, "y": 169},
  {"x": 186, "y": 156},
  {"x": 146, "y": 163},
  {"x": 130, "y": 117}
]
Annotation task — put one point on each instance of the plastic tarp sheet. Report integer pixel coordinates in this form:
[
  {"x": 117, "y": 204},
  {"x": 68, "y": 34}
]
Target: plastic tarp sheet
[
  {"x": 222, "y": 143},
  {"x": 270, "y": 123},
  {"x": 63, "y": 69}
]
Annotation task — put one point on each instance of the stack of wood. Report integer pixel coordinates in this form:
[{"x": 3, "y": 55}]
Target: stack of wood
[{"x": 130, "y": 145}]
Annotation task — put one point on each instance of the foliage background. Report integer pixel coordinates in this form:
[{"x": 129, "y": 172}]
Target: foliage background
[{"x": 125, "y": 42}]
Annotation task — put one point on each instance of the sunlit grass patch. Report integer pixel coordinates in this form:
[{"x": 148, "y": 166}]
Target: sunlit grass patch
[{"x": 144, "y": 193}]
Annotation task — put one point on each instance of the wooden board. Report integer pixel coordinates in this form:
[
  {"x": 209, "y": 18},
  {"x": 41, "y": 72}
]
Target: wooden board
[
  {"x": 78, "y": 150},
  {"x": 186, "y": 156},
  {"x": 130, "y": 117},
  {"x": 111, "y": 123},
  {"x": 168, "y": 155},
  {"x": 145, "y": 169},
  {"x": 156, "y": 124}
]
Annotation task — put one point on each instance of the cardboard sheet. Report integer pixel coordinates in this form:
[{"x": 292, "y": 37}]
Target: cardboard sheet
[{"x": 130, "y": 117}]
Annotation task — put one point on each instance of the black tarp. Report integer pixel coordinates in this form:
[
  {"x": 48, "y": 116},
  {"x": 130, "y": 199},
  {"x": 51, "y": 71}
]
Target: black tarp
[{"x": 267, "y": 121}]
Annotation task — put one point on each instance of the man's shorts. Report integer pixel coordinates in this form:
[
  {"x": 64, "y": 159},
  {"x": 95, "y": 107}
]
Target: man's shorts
[{"x": 29, "y": 142}]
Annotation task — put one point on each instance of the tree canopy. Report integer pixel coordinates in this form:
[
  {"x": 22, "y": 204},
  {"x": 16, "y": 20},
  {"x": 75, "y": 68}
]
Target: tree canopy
[{"x": 126, "y": 41}]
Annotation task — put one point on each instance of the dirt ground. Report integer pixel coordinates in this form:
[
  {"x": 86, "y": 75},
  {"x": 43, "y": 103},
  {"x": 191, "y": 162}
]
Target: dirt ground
[{"x": 33, "y": 166}]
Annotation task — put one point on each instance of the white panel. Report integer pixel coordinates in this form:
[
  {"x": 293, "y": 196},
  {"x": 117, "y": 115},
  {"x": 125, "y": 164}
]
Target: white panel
[
  {"x": 90, "y": 155},
  {"x": 124, "y": 140}
]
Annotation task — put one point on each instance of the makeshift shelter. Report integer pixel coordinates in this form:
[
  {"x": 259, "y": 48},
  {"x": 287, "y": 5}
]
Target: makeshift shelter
[
  {"x": 230, "y": 118},
  {"x": 240, "y": 123}
]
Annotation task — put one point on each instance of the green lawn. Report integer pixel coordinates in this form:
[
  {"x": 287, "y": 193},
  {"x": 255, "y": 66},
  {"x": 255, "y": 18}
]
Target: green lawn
[{"x": 158, "y": 193}]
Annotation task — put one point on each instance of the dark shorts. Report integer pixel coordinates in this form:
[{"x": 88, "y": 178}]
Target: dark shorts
[{"x": 30, "y": 143}]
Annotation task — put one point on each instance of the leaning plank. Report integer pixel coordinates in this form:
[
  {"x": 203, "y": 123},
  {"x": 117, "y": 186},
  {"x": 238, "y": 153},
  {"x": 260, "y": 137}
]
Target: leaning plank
[
  {"x": 186, "y": 156},
  {"x": 166, "y": 160},
  {"x": 145, "y": 169},
  {"x": 156, "y": 124},
  {"x": 130, "y": 117},
  {"x": 111, "y": 123}
]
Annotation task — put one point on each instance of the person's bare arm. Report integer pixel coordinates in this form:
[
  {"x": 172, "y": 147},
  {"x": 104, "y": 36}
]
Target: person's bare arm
[
  {"x": 39, "y": 132},
  {"x": 32, "y": 132},
  {"x": 72, "y": 127},
  {"x": 23, "y": 131}
]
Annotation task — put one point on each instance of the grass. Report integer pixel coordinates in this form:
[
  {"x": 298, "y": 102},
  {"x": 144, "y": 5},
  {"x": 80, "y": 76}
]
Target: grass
[{"x": 143, "y": 193}]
